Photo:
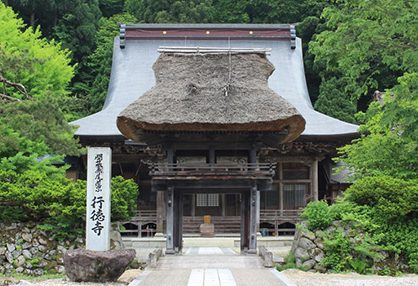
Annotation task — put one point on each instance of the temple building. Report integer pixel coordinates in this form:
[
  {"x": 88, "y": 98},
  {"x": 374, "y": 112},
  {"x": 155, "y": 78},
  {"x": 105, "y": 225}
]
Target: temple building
[{"x": 215, "y": 119}]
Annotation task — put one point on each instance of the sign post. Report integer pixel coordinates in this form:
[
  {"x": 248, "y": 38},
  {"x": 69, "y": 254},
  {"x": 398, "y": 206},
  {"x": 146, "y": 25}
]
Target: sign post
[{"x": 99, "y": 169}]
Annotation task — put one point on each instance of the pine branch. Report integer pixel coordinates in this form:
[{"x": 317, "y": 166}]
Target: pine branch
[
  {"x": 9, "y": 97},
  {"x": 19, "y": 87}
]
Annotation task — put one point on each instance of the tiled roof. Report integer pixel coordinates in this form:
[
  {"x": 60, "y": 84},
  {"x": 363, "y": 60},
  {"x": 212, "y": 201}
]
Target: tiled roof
[{"x": 132, "y": 73}]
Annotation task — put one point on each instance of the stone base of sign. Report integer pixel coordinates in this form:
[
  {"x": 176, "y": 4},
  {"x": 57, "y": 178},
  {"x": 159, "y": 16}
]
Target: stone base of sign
[
  {"x": 83, "y": 265},
  {"x": 207, "y": 229}
]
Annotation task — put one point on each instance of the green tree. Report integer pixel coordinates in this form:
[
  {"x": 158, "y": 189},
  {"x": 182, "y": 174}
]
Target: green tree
[
  {"x": 31, "y": 129},
  {"x": 76, "y": 29},
  {"x": 171, "y": 11},
  {"x": 334, "y": 102},
  {"x": 31, "y": 132},
  {"x": 100, "y": 62},
  {"x": 73, "y": 23},
  {"x": 258, "y": 11},
  {"x": 368, "y": 42},
  {"x": 110, "y": 8},
  {"x": 36, "y": 13},
  {"x": 26, "y": 58},
  {"x": 389, "y": 143}
]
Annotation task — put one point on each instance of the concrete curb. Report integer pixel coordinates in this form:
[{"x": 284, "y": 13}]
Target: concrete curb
[
  {"x": 139, "y": 279},
  {"x": 284, "y": 279}
]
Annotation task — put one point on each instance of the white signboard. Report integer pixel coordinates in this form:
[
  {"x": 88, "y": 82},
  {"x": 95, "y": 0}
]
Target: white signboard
[{"x": 99, "y": 169}]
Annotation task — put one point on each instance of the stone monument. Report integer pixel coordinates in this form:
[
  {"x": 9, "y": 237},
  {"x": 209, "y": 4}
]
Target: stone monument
[{"x": 97, "y": 263}]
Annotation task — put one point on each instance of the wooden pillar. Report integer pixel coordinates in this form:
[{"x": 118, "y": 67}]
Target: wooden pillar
[
  {"x": 170, "y": 204},
  {"x": 170, "y": 221},
  {"x": 281, "y": 198},
  {"x": 315, "y": 180},
  {"x": 244, "y": 222},
  {"x": 276, "y": 228},
  {"x": 253, "y": 220},
  {"x": 193, "y": 205},
  {"x": 160, "y": 213},
  {"x": 178, "y": 222},
  {"x": 223, "y": 202},
  {"x": 212, "y": 157},
  {"x": 252, "y": 158}
]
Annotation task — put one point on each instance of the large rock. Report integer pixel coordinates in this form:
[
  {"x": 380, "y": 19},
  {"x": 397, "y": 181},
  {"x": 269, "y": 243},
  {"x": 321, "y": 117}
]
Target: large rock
[{"x": 94, "y": 266}]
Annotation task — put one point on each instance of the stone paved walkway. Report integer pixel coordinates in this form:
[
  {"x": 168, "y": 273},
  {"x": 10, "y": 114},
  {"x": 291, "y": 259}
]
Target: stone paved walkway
[{"x": 211, "y": 266}]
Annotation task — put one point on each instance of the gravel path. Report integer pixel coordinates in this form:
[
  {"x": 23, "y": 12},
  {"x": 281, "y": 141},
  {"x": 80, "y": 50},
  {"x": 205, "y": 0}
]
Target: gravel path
[{"x": 301, "y": 278}]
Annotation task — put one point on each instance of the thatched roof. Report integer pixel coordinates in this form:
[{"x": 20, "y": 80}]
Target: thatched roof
[{"x": 211, "y": 92}]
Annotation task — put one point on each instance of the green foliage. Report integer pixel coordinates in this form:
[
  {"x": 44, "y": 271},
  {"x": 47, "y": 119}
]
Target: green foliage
[
  {"x": 26, "y": 58},
  {"x": 377, "y": 213},
  {"x": 359, "y": 265},
  {"x": 111, "y": 7},
  {"x": 34, "y": 196},
  {"x": 384, "y": 166},
  {"x": 394, "y": 209},
  {"x": 290, "y": 262},
  {"x": 100, "y": 62},
  {"x": 76, "y": 28},
  {"x": 37, "y": 126},
  {"x": 32, "y": 130},
  {"x": 171, "y": 11},
  {"x": 389, "y": 198},
  {"x": 58, "y": 204},
  {"x": 334, "y": 101},
  {"x": 260, "y": 11},
  {"x": 317, "y": 215},
  {"x": 388, "y": 146},
  {"x": 349, "y": 251},
  {"x": 367, "y": 38},
  {"x": 124, "y": 196}
]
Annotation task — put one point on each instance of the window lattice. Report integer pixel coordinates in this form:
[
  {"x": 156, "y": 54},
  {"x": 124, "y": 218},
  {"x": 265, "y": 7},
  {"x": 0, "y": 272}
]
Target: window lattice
[{"x": 207, "y": 200}]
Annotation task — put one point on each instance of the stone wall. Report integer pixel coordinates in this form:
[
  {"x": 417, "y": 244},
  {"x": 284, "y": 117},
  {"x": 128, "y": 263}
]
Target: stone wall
[
  {"x": 26, "y": 249},
  {"x": 309, "y": 251}
]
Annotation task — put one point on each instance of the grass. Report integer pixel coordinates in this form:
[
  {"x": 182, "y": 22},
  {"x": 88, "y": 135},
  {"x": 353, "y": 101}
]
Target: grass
[{"x": 26, "y": 277}]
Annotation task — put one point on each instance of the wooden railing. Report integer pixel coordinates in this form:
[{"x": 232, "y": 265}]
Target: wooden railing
[
  {"x": 275, "y": 217},
  {"x": 280, "y": 214},
  {"x": 218, "y": 169},
  {"x": 145, "y": 216}
]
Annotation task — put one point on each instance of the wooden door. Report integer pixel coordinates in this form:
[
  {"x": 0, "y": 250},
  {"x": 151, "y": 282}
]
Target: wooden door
[
  {"x": 232, "y": 204},
  {"x": 294, "y": 196}
]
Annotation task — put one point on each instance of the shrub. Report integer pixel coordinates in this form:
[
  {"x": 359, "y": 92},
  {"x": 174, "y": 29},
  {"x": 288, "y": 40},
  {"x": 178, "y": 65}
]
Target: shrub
[
  {"x": 290, "y": 262},
  {"x": 349, "y": 252},
  {"x": 376, "y": 213},
  {"x": 389, "y": 197},
  {"x": 317, "y": 215},
  {"x": 124, "y": 197},
  {"x": 58, "y": 204}
]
